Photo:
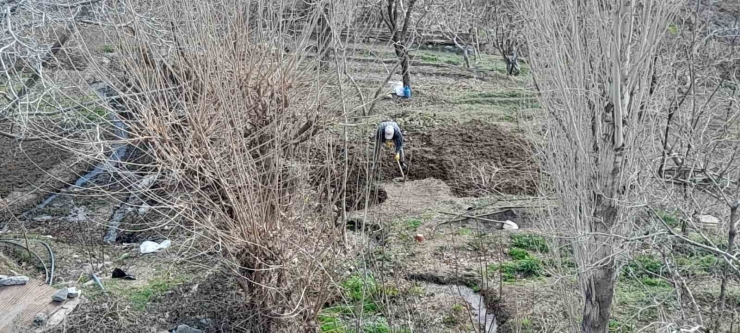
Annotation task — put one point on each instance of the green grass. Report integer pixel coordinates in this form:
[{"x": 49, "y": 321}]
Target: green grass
[
  {"x": 150, "y": 292},
  {"x": 526, "y": 323},
  {"x": 413, "y": 224},
  {"x": 524, "y": 265},
  {"x": 449, "y": 320},
  {"x": 618, "y": 327},
  {"x": 438, "y": 57},
  {"x": 529, "y": 242},
  {"x": 331, "y": 323},
  {"x": 464, "y": 232},
  {"x": 518, "y": 254},
  {"x": 633, "y": 296},
  {"x": 644, "y": 265},
  {"x": 138, "y": 297},
  {"x": 673, "y": 29},
  {"x": 362, "y": 290},
  {"x": 107, "y": 48},
  {"x": 670, "y": 219},
  {"x": 95, "y": 114},
  {"x": 653, "y": 282}
]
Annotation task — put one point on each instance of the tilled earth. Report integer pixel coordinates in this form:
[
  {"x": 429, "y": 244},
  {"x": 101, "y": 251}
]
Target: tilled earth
[{"x": 473, "y": 158}]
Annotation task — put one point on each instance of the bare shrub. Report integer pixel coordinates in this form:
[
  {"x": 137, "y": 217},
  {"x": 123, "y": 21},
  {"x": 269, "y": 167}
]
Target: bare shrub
[{"x": 225, "y": 113}]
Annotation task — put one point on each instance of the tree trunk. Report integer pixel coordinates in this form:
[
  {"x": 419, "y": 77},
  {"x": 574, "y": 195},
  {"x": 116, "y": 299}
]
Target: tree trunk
[
  {"x": 725, "y": 269},
  {"x": 598, "y": 283},
  {"x": 466, "y": 57},
  {"x": 402, "y": 55}
]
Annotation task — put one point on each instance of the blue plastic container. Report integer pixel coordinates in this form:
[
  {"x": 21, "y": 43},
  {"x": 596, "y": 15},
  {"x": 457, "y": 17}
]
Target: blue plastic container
[{"x": 407, "y": 92}]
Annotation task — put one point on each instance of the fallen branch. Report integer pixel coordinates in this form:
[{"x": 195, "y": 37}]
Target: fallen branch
[{"x": 464, "y": 217}]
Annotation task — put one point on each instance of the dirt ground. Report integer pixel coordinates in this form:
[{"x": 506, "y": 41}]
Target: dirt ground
[
  {"x": 26, "y": 163},
  {"x": 473, "y": 158}
]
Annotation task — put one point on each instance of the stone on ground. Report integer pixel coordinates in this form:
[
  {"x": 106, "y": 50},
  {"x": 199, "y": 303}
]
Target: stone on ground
[
  {"x": 61, "y": 295},
  {"x": 14, "y": 280}
]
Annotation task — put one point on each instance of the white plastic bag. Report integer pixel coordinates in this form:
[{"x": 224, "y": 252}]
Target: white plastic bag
[
  {"x": 397, "y": 88},
  {"x": 149, "y": 246},
  {"x": 508, "y": 225}
]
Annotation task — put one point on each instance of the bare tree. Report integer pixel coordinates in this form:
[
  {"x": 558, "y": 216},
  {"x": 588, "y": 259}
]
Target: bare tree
[
  {"x": 504, "y": 24},
  {"x": 700, "y": 140},
  {"x": 396, "y": 15},
  {"x": 459, "y": 21},
  {"x": 592, "y": 61}
]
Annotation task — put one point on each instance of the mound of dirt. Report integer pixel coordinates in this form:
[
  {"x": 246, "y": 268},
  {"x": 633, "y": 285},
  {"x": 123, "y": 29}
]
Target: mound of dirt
[{"x": 473, "y": 158}]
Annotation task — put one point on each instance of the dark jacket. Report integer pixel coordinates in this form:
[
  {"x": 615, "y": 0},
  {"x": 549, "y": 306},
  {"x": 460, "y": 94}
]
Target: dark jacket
[{"x": 397, "y": 138}]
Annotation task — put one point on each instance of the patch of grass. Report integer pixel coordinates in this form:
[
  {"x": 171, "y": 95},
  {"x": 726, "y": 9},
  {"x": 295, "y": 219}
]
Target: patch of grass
[
  {"x": 526, "y": 323},
  {"x": 331, "y": 324},
  {"x": 416, "y": 290},
  {"x": 673, "y": 29},
  {"x": 670, "y": 219},
  {"x": 529, "y": 242},
  {"x": 464, "y": 231},
  {"x": 524, "y": 266},
  {"x": 93, "y": 114},
  {"x": 518, "y": 254},
  {"x": 644, "y": 265},
  {"x": 413, "y": 224},
  {"x": 457, "y": 308},
  {"x": 617, "y": 326},
  {"x": 362, "y": 290},
  {"x": 653, "y": 282},
  {"x": 107, "y": 48},
  {"x": 438, "y": 57},
  {"x": 449, "y": 320},
  {"x": 140, "y": 297}
]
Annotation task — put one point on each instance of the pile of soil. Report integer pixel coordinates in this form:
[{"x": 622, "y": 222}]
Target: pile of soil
[
  {"x": 474, "y": 159},
  {"x": 26, "y": 163}
]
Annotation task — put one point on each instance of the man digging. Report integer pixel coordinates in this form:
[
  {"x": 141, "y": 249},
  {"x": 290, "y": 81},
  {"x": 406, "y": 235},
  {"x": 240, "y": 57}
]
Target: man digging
[{"x": 389, "y": 133}]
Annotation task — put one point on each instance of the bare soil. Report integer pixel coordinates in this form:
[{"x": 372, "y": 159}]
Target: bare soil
[
  {"x": 23, "y": 163},
  {"x": 467, "y": 157}
]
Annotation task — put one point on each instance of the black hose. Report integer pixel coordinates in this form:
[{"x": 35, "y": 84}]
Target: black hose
[
  {"x": 51, "y": 259},
  {"x": 46, "y": 271}
]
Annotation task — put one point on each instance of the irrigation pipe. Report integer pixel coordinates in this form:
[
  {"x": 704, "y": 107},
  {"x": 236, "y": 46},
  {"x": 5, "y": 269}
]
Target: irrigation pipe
[{"x": 46, "y": 270}]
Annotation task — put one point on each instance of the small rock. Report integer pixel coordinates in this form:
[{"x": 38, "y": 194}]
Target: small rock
[
  {"x": 419, "y": 238},
  {"x": 75, "y": 256},
  {"x": 40, "y": 319},
  {"x": 73, "y": 292},
  {"x": 87, "y": 267},
  {"x": 14, "y": 281},
  {"x": 187, "y": 329},
  {"x": 60, "y": 296},
  {"x": 42, "y": 218},
  {"x": 88, "y": 283},
  {"x": 124, "y": 256},
  {"x": 205, "y": 321}
]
